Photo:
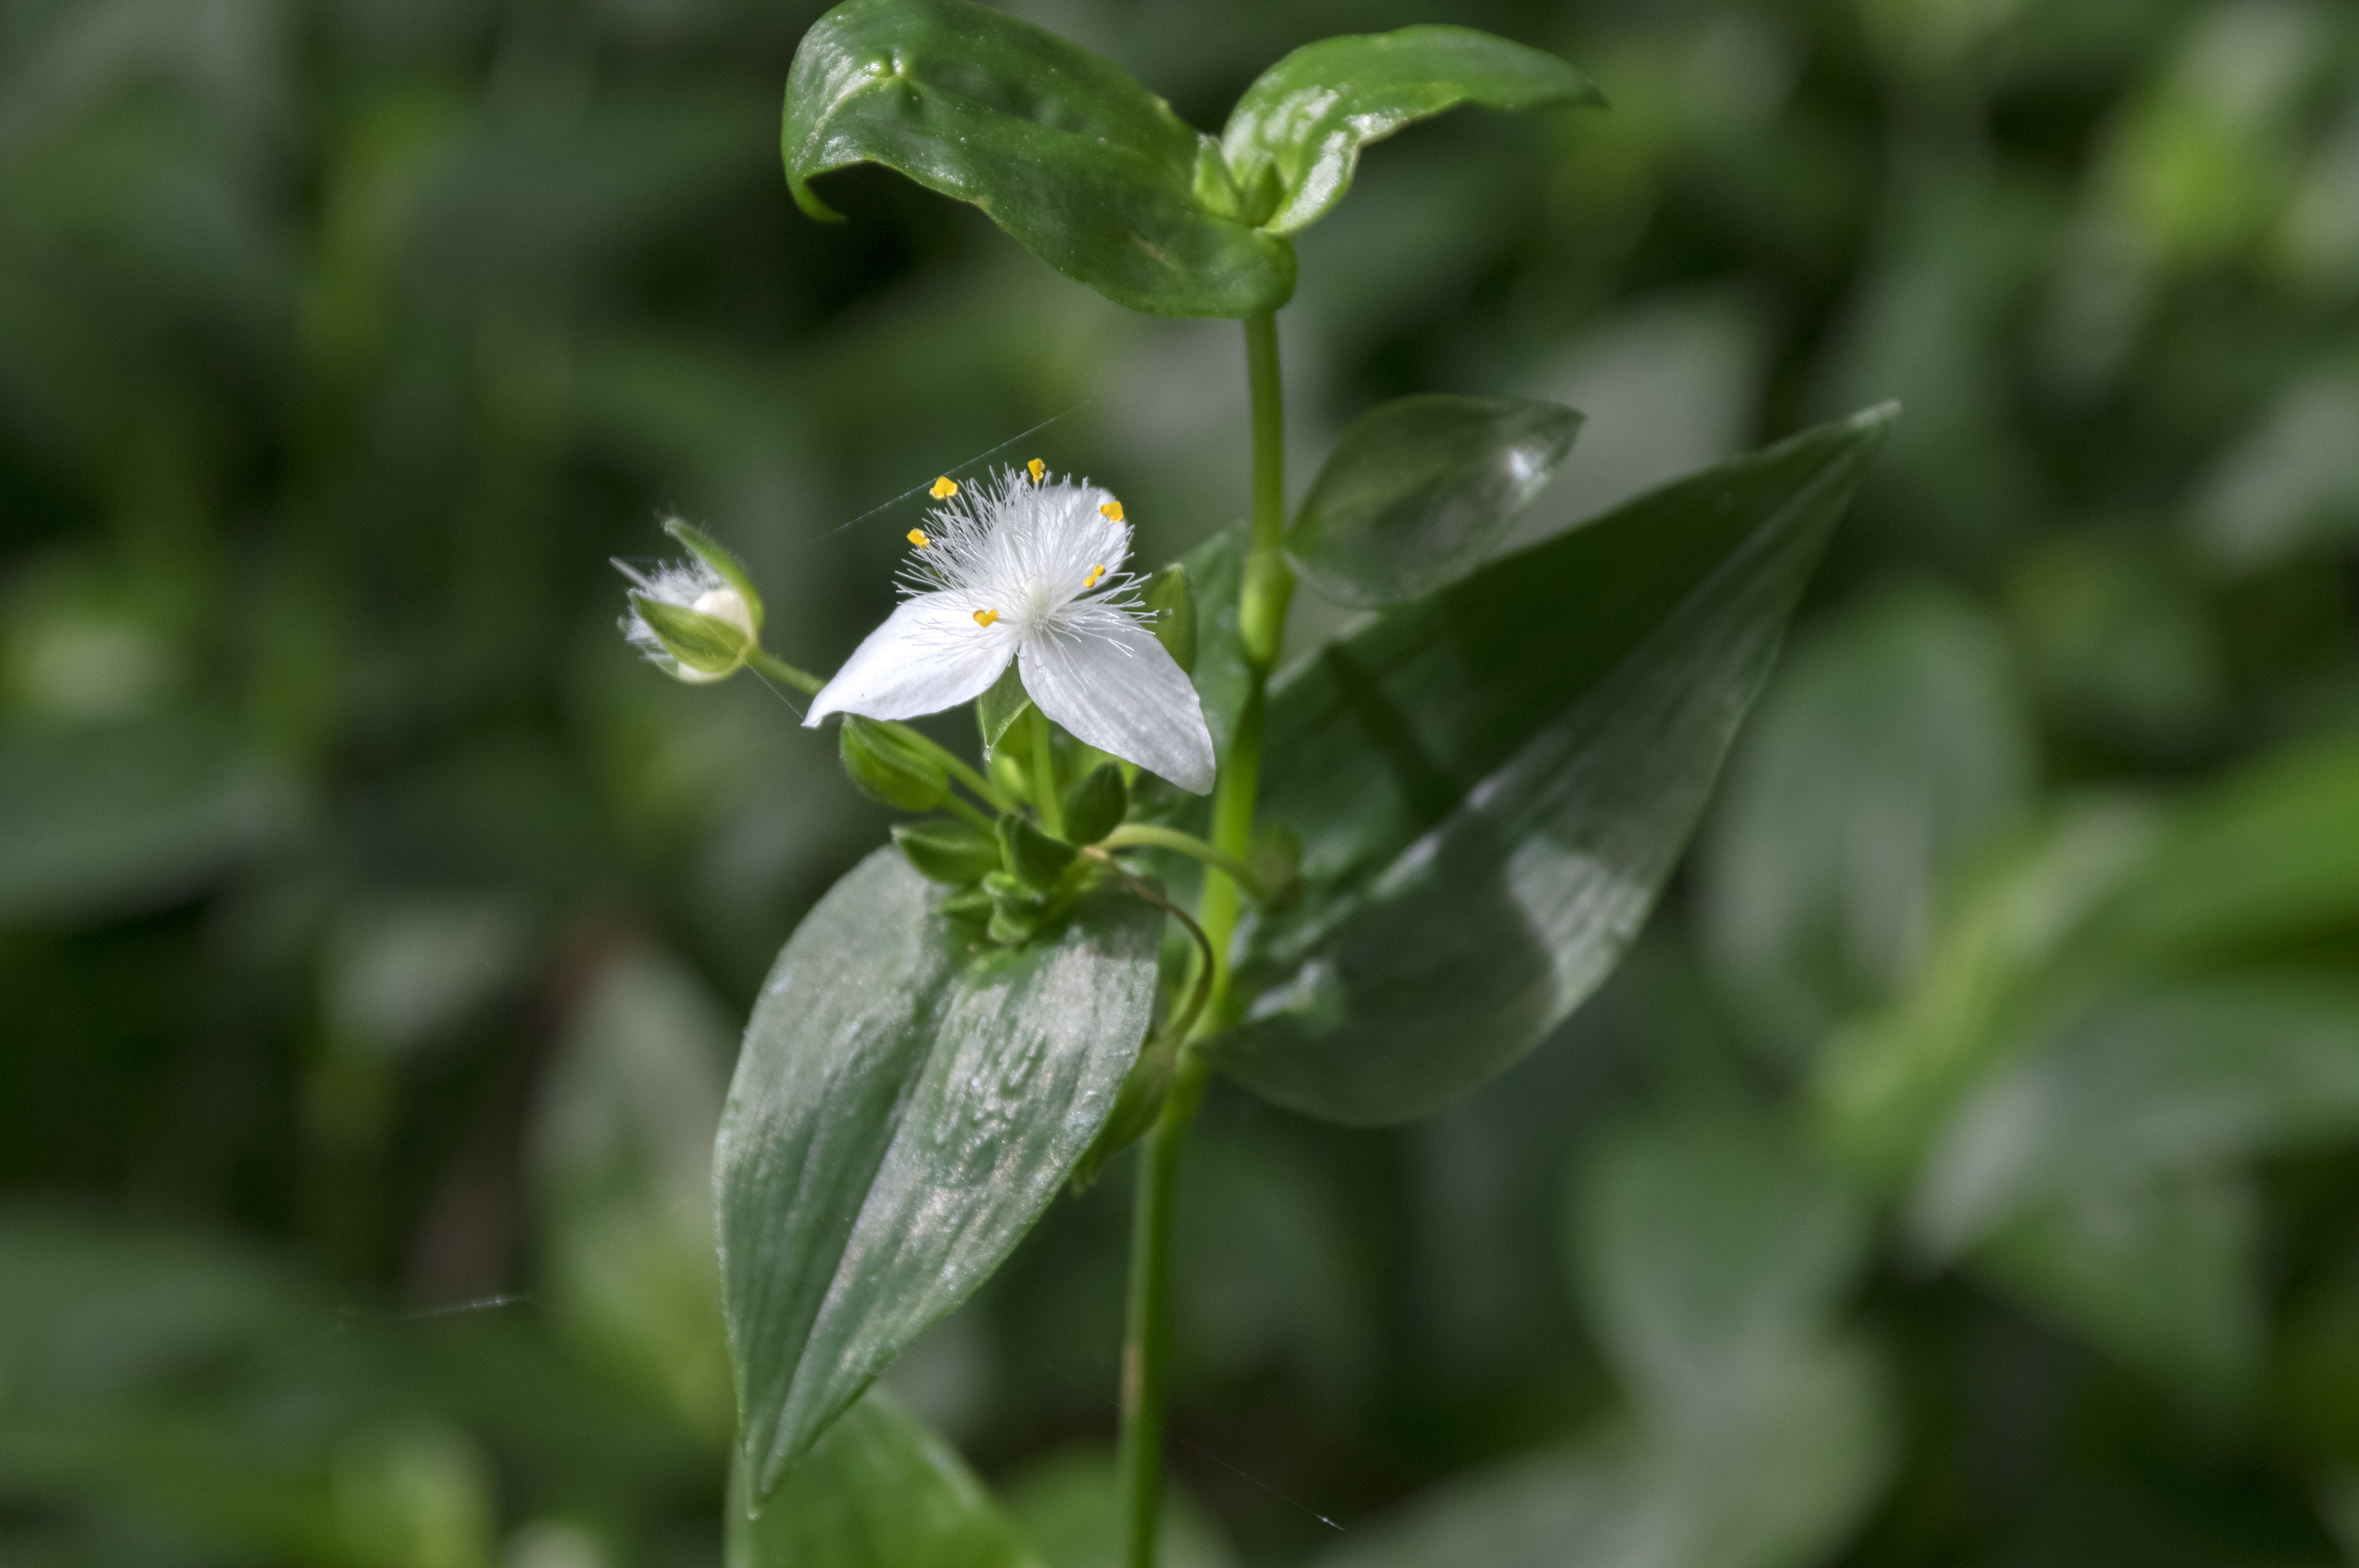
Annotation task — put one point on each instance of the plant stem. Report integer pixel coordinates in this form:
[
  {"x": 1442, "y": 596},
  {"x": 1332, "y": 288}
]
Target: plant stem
[
  {"x": 763, "y": 662},
  {"x": 1261, "y": 619},
  {"x": 969, "y": 813},
  {"x": 1044, "y": 775},
  {"x": 1150, "y": 835}
]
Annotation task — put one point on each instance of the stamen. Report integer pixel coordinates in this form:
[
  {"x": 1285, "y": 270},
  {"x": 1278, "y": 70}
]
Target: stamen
[
  {"x": 1038, "y": 470},
  {"x": 917, "y": 537},
  {"x": 986, "y": 617},
  {"x": 1091, "y": 580},
  {"x": 944, "y": 488},
  {"x": 1111, "y": 511}
]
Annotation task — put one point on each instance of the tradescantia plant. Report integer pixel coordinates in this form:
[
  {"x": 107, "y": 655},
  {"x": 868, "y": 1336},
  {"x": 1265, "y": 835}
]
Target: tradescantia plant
[{"x": 1425, "y": 843}]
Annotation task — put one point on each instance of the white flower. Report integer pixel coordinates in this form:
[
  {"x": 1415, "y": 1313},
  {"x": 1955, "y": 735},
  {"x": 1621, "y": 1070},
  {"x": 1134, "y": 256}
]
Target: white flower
[
  {"x": 1022, "y": 569},
  {"x": 697, "y": 651}
]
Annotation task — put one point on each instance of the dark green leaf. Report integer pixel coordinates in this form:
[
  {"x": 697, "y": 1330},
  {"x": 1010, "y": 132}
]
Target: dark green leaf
[
  {"x": 1168, "y": 599},
  {"x": 1491, "y": 784},
  {"x": 1096, "y": 807},
  {"x": 2195, "y": 1073},
  {"x": 903, "y": 1108},
  {"x": 887, "y": 768},
  {"x": 1889, "y": 747},
  {"x": 1419, "y": 491},
  {"x": 877, "y": 1491},
  {"x": 1002, "y": 706},
  {"x": 2162, "y": 1271},
  {"x": 1294, "y": 139},
  {"x": 1065, "y": 151},
  {"x": 944, "y": 850}
]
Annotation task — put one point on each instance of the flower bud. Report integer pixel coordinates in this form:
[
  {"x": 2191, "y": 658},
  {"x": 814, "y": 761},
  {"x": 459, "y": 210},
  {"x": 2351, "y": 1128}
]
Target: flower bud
[
  {"x": 887, "y": 768},
  {"x": 708, "y": 640},
  {"x": 1096, "y": 807},
  {"x": 945, "y": 850},
  {"x": 1034, "y": 859}
]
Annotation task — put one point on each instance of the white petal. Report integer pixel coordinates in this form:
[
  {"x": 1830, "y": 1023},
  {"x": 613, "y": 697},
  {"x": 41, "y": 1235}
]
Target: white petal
[
  {"x": 1106, "y": 678},
  {"x": 929, "y": 655}
]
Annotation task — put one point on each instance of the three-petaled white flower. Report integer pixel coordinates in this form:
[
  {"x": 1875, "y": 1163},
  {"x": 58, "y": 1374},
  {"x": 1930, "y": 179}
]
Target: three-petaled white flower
[{"x": 1019, "y": 568}]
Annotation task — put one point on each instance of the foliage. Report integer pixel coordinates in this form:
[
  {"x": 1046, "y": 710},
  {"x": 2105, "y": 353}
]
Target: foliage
[{"x": 1960, "y": 1166}]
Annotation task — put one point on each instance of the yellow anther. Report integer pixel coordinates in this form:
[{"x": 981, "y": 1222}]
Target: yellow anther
[
  {"x": 917, "y": 537},
  {"x": 1091, "y": 580},
  {"x": 986, "y": 617},
  {"x": 1111, "y": 509},
  {"x": 944, "y": 488},
  {"x": 1038, "y": 470}
]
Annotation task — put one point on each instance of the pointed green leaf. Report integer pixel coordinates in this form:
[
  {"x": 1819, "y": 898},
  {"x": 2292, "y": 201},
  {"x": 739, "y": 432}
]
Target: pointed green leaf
[
  {"x": 905, "y": 1106},
  {"x": 877, "y": 1491},
  {"x": 1294, "y": 139},
  {"x": 1064, "y": 150},
  {"x": 1419, "y": 491},
  {"x": 1491, "y": 784}
]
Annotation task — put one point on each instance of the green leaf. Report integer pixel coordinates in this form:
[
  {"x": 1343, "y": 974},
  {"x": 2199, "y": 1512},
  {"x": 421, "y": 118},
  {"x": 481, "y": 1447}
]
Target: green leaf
[
  {"x": 1419, "y": 491},
  {"x": 1705, "y": 1241},
  {"x": 2200, "y": 1073},
  {"x": 887, "y": 768},
  {"x": 1170, "y": 603},
  {"x": 1890, "y": 746},
  {"x": 877, "y": 1491},
  {"x": 1000, "y": 706},
  {"x": 1294, "y": 139},
  {"x": 2163, "y": 1273},
  {"x": 1490, "y": 784},
  {"x": 1069, "y": 1507},
  {"x": 945, "y": 849},
  {"x": 1064, "y": 150},
  {"x": 903, "y": 1108}
]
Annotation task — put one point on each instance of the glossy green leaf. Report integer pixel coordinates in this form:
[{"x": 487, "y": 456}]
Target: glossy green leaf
[
  {"x": 878, "y": 1491},
  {"x": 1490, "y": 784},
  {"x": 1064, "y": 150},
  {"x": 1888, "y": 749},
  {"x": 905, "y": 1105},
  {"x": 1294, "y": 139},
  {"x": 1419, "y": 490},
  {"x": 2194, "y": 1073}
]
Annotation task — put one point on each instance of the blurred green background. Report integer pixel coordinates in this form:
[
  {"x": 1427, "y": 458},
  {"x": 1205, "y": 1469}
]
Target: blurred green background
[{"x": 375, "y": 931}]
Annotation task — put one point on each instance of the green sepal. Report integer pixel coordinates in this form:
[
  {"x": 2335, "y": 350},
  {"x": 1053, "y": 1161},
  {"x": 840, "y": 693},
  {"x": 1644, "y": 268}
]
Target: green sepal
[
  {"x": 1010, "y": 772},
  {"x": 1034, "y": 859},
  {"x": 945, "y": 849},
  {"x": 712, "y": 554},
  {"x": 706, "y": 647},
  {"x": 1002, "y": 706},
  {"x": 967, "y": 904},
  {"x": 1170, "y": 606},
  {"x": 1096, "y": 807},
  {"x": 885, "y": 767},
  {"x": 1294, "y": 137},
  {"x": 1064, "y": 150}
]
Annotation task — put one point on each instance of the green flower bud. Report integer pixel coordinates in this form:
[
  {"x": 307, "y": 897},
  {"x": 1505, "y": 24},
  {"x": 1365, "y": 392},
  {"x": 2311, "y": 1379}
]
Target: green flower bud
[
  {"x": 708, "y": 641},
  {"x": 887, "y": 768},
  {"x": 1034, "y": 859},
  {"x": 724, "y": 564},
  {"x": 1096, "y": 807},
  {"x": 944, "y": 850}
]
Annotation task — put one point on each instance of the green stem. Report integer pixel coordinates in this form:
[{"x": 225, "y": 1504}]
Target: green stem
[
  {"x": 1150, "y": 835},
  {"x": 1261, "y": 622},
  {"x": 969, "y": 813},
  {"x": 1045, "y": 798},
  {"x": 763, "y": 662}
]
